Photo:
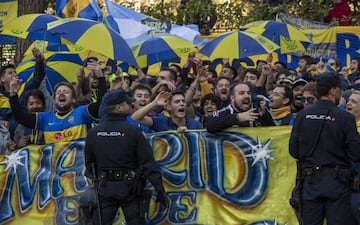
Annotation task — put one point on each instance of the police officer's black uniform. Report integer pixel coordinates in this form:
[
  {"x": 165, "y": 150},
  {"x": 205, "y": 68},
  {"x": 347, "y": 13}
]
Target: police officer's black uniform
[
  {"x": 119, "y": 150},
  {"x": 325, "y": 168}
]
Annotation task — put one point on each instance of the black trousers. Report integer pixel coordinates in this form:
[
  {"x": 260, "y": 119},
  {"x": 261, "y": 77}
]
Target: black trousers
[
  {"x": 325, "y": 196},
  {"x": 355, "y": 206},
  {"x": 115, "y": 194}
]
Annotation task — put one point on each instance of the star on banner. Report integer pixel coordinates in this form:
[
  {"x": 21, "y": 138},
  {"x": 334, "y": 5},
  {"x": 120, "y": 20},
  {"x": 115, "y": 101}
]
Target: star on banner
[
  {"x": 261, "y": 152},
  {"x": 12, "y": 161}
]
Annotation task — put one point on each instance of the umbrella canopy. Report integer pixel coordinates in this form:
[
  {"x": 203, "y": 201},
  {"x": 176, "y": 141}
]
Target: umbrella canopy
[
  {"x": 238, "y": 44},
  {"x": 59, "y": 67},
  {"x": 94, "y": 36},
  {"x": 68, "y": 51},
  {"x": 31, "y": 27},
  {"x": 161, "y": 48},
  {"x": 283, "y": 34},
  {"x": 273, "y": 30}
]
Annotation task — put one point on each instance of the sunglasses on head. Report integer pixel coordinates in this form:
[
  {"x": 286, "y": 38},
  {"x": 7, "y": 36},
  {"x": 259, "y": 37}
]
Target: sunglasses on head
[{"x": 310, "y": 100}]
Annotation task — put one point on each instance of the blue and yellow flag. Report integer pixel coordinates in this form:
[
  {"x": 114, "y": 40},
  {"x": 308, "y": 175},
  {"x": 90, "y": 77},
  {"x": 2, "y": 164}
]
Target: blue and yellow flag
[
  {"x": 8, "y": 12},
  {"x": 88, "y": 9}
]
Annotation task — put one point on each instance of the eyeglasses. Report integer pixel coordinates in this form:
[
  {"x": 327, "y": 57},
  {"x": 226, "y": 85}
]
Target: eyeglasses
[
  {"x": 310, "y": 100},
  {"x": 332, "y": 64}
]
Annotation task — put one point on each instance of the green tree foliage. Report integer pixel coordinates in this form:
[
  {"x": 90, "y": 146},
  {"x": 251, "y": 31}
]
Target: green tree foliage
[{"x": 230, "y": 16}]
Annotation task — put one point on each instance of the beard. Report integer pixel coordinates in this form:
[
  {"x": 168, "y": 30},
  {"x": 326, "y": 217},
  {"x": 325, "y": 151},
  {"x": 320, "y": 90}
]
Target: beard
[
  {"x": 241, "y": 108},
  {"x": 64, "y": 108}
]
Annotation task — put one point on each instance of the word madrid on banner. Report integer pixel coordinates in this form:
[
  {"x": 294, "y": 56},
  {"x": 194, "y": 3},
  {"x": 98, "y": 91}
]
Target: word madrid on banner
[{"x": 243, "y": 176}]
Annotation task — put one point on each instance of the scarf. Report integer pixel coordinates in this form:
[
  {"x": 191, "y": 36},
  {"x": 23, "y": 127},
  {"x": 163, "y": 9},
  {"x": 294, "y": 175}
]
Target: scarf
[{"x": 281, "y": 112}]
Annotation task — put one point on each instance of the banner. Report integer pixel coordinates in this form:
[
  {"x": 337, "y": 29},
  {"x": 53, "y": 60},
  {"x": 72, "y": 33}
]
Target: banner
[
  {"x": 8, "y": 12},
  {"x": 242, "y": 176},
  {"x": 301, "y": 23},
  {"x": 323, "y": 43}
]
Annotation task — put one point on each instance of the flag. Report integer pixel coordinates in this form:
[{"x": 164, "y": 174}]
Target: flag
[
  {"x": 88, "y": 9},
  {"x": 126, "y": 19},
  {"x": 300, "y": 22},
  {"x": 126, "y": 22},
  {"x": 8, "y": 11}
]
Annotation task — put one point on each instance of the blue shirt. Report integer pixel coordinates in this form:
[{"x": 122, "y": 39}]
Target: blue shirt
[{"x": 164, "y": 123}]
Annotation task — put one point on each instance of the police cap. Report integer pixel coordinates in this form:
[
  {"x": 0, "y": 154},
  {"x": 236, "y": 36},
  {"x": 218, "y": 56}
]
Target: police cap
[
  {"x": 118, "y": 97},
  {"x": 328, "y": 79}
]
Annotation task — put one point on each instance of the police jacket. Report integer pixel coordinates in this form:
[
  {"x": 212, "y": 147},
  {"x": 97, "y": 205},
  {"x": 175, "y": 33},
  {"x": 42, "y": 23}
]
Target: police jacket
[
  {"x": 338, "y": 142},
  {"x": 115, "y": 144},
  {"x": 227, "y": 117}
]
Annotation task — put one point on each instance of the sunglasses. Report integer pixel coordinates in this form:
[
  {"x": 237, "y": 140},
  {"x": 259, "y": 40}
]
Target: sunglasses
[{"x": 310, "y": 100}]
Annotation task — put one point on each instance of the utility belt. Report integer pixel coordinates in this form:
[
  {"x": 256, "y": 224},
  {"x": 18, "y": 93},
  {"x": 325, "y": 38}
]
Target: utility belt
[
  {"x": 341, "y": 173},
  {"x": 117, "y": 175}
]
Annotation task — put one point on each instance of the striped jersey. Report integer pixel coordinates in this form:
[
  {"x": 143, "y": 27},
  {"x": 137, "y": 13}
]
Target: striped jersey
[{"x": 72, "y": 126}]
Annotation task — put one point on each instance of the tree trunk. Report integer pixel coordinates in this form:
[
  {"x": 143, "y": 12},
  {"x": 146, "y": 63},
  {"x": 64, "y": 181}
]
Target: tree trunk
[{"x": 27, "y": 7}]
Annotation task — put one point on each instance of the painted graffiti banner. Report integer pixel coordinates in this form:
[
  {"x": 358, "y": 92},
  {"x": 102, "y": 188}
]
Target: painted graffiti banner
[{"x": 242, "y": 176}]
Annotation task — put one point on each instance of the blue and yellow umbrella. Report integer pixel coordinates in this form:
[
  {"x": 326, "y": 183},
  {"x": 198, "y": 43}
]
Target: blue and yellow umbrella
[
  {"x": 238, "y": 44},
  {"x": 65, "y": 50},
  {"x": 94, "y": 36},
  {"x": 59, "y": 67},
  {"x": 287, "y": 36},
  {"x": 31, "y": 27},
  {"x": 161, "y": 49}
]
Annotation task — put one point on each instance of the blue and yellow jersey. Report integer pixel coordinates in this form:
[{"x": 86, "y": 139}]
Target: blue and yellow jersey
[
  {"x": 72, "y": 126},
  {"x": 5, "y": 109}
]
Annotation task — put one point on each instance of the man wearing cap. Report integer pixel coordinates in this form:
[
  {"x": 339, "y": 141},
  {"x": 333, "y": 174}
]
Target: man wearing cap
[
  {"x": 121, "y": 157},
  {"x": 324, "y": 140}
]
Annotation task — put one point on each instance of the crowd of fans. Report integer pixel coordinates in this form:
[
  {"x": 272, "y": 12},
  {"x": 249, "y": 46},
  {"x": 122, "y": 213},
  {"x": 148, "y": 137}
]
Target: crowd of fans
[{"x": 178, "y": 98}]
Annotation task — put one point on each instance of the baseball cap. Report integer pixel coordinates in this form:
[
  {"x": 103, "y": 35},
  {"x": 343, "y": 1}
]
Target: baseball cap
[
  {"x": 287, "y": 80},
  {"x": 298, "y": 82},
  {"x": 118, "y": 97},
  {"x": 328, "y": 79}
]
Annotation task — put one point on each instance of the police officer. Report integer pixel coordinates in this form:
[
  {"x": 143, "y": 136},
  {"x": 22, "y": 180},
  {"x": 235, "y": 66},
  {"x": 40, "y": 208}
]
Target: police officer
[
  {"x": 324, "y": 140},
  {"x": 121, "y": 156}
]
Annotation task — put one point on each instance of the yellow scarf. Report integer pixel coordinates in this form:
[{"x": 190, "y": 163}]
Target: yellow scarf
[{"x": 281, "y": 112}]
